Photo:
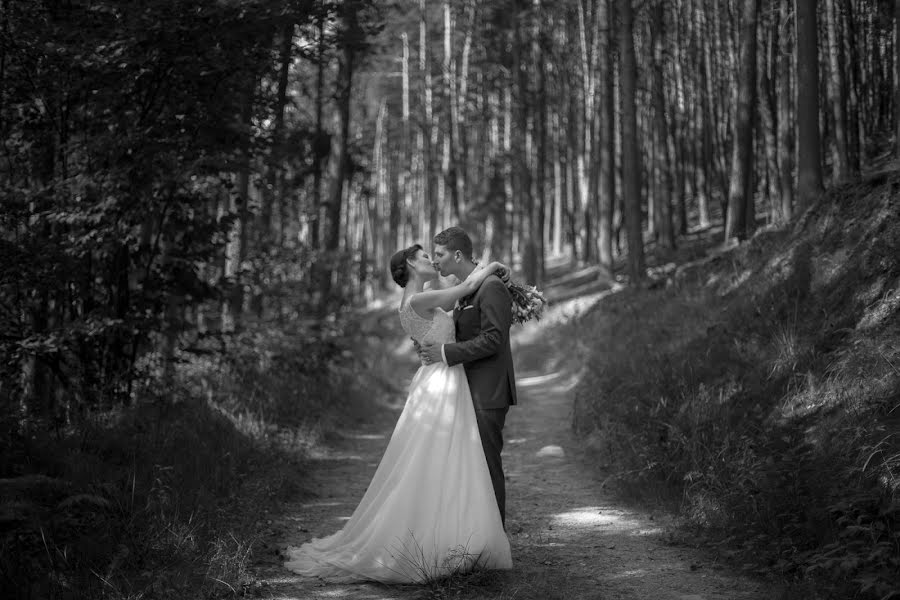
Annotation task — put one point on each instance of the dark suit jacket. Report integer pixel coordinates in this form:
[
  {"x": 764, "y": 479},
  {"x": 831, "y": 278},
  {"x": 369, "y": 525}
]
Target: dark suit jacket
[{"x": 482, "y": 345}]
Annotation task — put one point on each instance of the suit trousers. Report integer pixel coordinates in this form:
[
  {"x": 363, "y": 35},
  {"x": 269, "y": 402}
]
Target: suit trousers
[{"x": 490, "y": 428}]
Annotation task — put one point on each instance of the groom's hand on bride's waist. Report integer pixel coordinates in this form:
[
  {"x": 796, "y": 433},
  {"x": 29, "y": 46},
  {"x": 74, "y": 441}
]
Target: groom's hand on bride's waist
[
  {"x": 430, "y": 353},
  {"x": 419, "y": 350}
]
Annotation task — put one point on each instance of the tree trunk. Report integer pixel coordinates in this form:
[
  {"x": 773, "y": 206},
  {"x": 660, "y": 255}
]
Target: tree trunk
[
  {"x": 285, "y": 57},
  {"x": 320, "y": 140},
  {"x": 538, "y": 212},
  {"x": 404, "y": 195},
  {"x": 739, "y": 222},
  {"x": 679, "y": 105},
  {"x": 235, "y": 248},
  {"x": 571, "y": 207},
  {"x": 662, "y": 187},
  {"x": 721, "y": 122},
  {"x": 339, "y": 163},
  {"x": 854, "y": 109},
  {"x": 451, "y": 166},
  {"x": 809, "y": 167},
  {"x": 897, "y": 78},
  {"x": 786, "y": 130},
  {"x": 528, "y": 233},
  {"x": 769, "y": 127},
  {"x": 558, "y": 198},
  {"x": 462, "y": 140},
  {"x": 380, "y": 179},
  {"x": 838, "y": 93},
  {"x": 271, "y": 192},
  {"x": 586, "y": 120},
  {"x": 709, "y": 118},
  {"x": 631, "y": 170},
  {"x": 429, "y": 135},
  {"x": 706, "y": 123},
  {"x": 606, "y": 141},
  {"x": 340, "y": 155}
]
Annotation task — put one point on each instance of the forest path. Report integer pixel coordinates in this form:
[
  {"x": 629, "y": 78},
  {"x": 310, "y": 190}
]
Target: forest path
[{"x": 570, "y": 539}]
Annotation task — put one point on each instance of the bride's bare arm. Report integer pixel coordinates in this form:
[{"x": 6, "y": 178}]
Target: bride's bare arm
[{"x": 427, "y": 301}]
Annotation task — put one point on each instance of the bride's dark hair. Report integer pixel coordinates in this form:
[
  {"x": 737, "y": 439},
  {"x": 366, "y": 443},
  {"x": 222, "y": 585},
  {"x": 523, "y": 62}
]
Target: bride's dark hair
[{"x": 399, "y": 268}]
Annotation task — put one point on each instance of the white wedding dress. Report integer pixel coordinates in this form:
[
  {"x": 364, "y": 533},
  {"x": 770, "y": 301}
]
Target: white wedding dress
[{"x": 430, "y": 508}]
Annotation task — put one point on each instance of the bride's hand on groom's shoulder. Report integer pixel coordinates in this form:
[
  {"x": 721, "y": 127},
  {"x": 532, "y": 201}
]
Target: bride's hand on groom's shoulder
[{"x": 500, "y": 270}]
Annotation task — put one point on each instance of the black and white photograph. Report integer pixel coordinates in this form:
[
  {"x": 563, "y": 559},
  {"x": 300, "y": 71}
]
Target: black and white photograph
[{"x": 450, "y": 299}]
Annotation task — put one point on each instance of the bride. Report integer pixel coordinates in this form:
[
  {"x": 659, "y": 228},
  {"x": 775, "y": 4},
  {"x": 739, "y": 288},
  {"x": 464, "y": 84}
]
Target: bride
[{"x": 429, "y": 510}]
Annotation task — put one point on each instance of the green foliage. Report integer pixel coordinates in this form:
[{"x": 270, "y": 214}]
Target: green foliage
[{"x": 759, "y": 396}]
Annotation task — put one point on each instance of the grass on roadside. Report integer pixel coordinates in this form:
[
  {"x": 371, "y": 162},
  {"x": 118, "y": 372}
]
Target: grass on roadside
[
  {"x": 759, "y": 396},
  {"x": 166, "y": 498}
]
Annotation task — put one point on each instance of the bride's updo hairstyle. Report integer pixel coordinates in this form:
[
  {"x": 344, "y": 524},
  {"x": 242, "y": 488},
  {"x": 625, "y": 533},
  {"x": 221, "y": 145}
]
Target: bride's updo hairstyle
[{"x": 399, "y": 268}]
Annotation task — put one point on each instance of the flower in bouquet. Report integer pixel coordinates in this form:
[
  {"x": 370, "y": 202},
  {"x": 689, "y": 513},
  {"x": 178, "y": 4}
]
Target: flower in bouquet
[{"x": 528, "y": 302}]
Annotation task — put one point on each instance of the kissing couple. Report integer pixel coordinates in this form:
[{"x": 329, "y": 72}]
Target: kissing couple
[{"x": 436, "y": 504}]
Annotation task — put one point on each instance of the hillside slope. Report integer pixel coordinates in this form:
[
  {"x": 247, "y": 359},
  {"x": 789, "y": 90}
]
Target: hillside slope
[{"x": 758, "y": 394}]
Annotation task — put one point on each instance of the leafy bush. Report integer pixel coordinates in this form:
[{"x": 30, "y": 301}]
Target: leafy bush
[
  {"x": 164, "y": 498},
  {"x": 761, "y": 399}
]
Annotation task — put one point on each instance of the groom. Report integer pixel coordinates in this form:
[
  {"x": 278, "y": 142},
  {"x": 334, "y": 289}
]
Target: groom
[{"x": 482, "y": 346}]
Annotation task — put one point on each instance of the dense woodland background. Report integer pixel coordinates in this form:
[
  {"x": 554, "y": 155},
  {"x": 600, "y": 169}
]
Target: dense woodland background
[{"x": 197, "y": 194}]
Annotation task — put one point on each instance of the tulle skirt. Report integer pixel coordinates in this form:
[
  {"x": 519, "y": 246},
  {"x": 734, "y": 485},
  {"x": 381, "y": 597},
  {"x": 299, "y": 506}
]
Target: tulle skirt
[{"x": 430, "y": 509}]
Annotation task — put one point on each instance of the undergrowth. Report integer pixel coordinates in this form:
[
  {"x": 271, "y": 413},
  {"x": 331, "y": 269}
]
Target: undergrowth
[
  {"x": 758, "y": 394},
  {"x": 165, "y": 498}
]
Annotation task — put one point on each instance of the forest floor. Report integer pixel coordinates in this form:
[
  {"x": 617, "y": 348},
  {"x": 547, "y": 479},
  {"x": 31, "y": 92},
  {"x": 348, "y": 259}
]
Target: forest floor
[{"x": 570, "y": 537}]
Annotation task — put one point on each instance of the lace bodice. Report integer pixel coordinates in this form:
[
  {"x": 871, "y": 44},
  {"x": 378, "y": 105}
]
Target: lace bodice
[{"x": 439, "y": 330}]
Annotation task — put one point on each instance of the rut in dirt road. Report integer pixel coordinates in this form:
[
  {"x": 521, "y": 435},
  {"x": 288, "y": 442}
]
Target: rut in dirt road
[{"x": 570, "y": 539}]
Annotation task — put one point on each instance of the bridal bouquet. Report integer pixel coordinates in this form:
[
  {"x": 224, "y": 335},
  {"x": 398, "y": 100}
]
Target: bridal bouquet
[{"x": 528, "y": 302}]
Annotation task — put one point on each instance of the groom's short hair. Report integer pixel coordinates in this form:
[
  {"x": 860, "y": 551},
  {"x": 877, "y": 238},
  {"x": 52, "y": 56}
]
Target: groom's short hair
[{"x": 455, "y": 238}]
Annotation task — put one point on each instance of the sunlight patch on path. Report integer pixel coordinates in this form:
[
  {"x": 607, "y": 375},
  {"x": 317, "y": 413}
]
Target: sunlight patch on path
[
  {"x": 651, "y": 531},
  {"x": 588, "y": 516},
  {"x": 632, "y": 573},
  {"x": 537, "y": 379},
  {"x": 561, "y": 380},
  {"x": 338, "y": 456},
  {"x": 561, "y": 310},
  {"x": 554, "y": 451},
  {"x": 365, "y": 436},
  {"x": 321, "y": 591},
  {"x": 557, "y": 382}
]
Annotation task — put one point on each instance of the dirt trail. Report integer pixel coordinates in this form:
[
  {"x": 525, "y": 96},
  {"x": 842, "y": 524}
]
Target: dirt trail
[{"x": 570, "y": 539}]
